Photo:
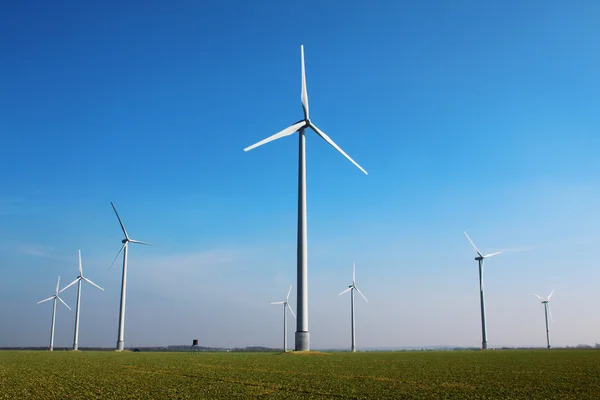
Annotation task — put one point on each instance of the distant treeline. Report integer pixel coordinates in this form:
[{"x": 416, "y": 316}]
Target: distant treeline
[
  {"x": 255, "y": 349},
  {"x": 174, "y": 348}
]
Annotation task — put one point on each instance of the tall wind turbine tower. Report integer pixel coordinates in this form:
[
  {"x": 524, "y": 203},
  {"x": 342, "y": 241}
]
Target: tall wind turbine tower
[
  {"x": 55, "y": 297},
  {"x": 302, "y": 334},
  {"x": 286, "y": 305},
  {"x": 546, "y": 303},
  {"x": 77, "y": 307},
  {"x": 351, "y": 289},
  {"x": 480, "y": 257},
  {"x": 126, "y": 241}
]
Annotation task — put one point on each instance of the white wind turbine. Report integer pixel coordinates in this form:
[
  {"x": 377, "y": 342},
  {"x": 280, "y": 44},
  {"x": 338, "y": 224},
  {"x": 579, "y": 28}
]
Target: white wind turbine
[
  {"x": 351, "y": 289},
  {"x": 302, "y": 334},
  {"x": 126, "y": 241},
  {"x": 480, "y": 257},
  {"x": 546, "y": 303},
  {"x": 77, "y": 307},
  {"x": 55, "y": 297},
  {"x": 286, "y": 305}
]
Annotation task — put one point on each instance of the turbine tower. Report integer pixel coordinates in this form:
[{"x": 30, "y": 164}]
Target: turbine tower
[
  {"x": 351, "y": 289},
  {"x": 302, "y": 334},
  {"x": 55, "y": 297},
  {"x": 547, "y": 311},
  {"x": 126, "y": 241},
  {"x": 77, "y": 307},
  {"x": 480, "y": 257},
  {"x": 286, "y": 305}
]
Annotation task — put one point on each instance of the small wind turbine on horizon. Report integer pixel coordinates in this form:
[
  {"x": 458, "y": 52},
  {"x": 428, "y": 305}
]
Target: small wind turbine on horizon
[
  {"x": 126, "y": 241},
  {"x": 480, "y": 257},
  {"x": 351, "y": 289},
  {"x": 77, "y": 307},
  {"x": 302, "y": 334},
  {"x": 55, "y": 297},
  {"x": 286, "y": 305},
  {"x": 546, "y": 303}
]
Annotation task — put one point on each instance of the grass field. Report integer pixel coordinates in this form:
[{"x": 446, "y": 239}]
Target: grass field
[{"x": 508, "y": 374}]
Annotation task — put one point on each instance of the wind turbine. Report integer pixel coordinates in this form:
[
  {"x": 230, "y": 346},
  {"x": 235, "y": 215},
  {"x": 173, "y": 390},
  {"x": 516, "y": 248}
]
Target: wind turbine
[
  {"x": 480, "y": 257},
  {"x": 126, "y": 241},
  {"x": 547, "y": 311},
  {"x": 286, "y": 305},
  {"x": 302, "y": 334},
  {"x": 351, "y": 289},
  {"x": 78, "y": 281},
  {"x": 55, "y": 297}
]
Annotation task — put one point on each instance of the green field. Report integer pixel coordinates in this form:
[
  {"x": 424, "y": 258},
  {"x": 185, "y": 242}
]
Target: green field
[{"x": 514, "y": 374}]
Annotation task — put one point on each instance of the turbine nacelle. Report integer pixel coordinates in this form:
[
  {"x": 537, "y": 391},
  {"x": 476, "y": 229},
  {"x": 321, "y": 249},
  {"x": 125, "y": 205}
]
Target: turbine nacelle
[
  {"x": 303, "y": 124},
  {"x": 125, "y": 241},
  {"x": 55, "y": 296},
  {"x": 546, "y": 302},
  {"x": 543, "y": 300},
  {"x": 285, "y": 303},
  {"x": 80, "y": 277},
  {"x": 480, "y": 256},
  {"x": 353, "y": 287}
]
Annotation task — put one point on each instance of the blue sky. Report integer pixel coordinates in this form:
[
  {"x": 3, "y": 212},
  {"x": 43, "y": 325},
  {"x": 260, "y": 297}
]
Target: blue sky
[{"x": 468, "y": 116}]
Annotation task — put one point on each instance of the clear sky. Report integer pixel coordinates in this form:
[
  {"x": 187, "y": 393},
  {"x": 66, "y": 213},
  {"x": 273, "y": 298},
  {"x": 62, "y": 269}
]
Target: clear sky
[{"x": 468, "y": 115}]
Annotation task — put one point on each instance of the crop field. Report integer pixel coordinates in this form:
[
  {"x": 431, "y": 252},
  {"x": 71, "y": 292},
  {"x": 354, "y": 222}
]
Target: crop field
[{"x": 508, "y": 374}]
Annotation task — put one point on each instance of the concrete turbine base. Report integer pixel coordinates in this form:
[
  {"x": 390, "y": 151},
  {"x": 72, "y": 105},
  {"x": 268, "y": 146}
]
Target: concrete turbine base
[
  {"x": 302, "y": 341},
  {"x": 120, "y": 346}
]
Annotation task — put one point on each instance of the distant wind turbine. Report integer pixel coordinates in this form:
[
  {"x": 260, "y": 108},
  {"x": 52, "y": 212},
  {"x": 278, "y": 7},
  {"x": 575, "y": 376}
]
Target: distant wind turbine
[
  {"x": 77, "y": 307},
  {"x": 302, "y": 334},
  {"x": 126, "y": 241},
  {"x": 55, "y": 297},
  {"x": 286, "y": 305},
  {"x": 546, "y": 303},
  {"x": 351, "y": 289},
  {"x": 480, "y": 257}
]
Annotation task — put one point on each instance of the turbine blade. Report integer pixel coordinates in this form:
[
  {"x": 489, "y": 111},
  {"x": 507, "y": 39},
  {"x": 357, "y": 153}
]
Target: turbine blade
[
  {"x": 550, "y": 312},
  {"x": 80, "y": 267},
  {"x": 347, "y": 290},
  {"x": 304, "y": 94},
  {"x": 61, "y": 300},
  {"x": 473, "y": 244},
  {"x": 48, "y": 299},
  {"x": 353, "y": 273},
  {"x": 539, "y": 297},
  {"x": 286, "y": 132},
  {"x": 278, "y": 302},
  {"x": 91, "y": 283},
  {"x": 57, "y": 283},
  {"x": 292, "y": 311},
  {"x": 288, "y": 295},
  {"x": 117, "y": 256},
  {"x": 138, "y": 242},
  {"x": 359, "y": 292},
  {"x": 120, "y": 222},
  {"x": 550, "y": 295},
  {"x": 335, "y": 146},
  {"x": 69, "y": 285},
  {"x": 492, "y": 254}
]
